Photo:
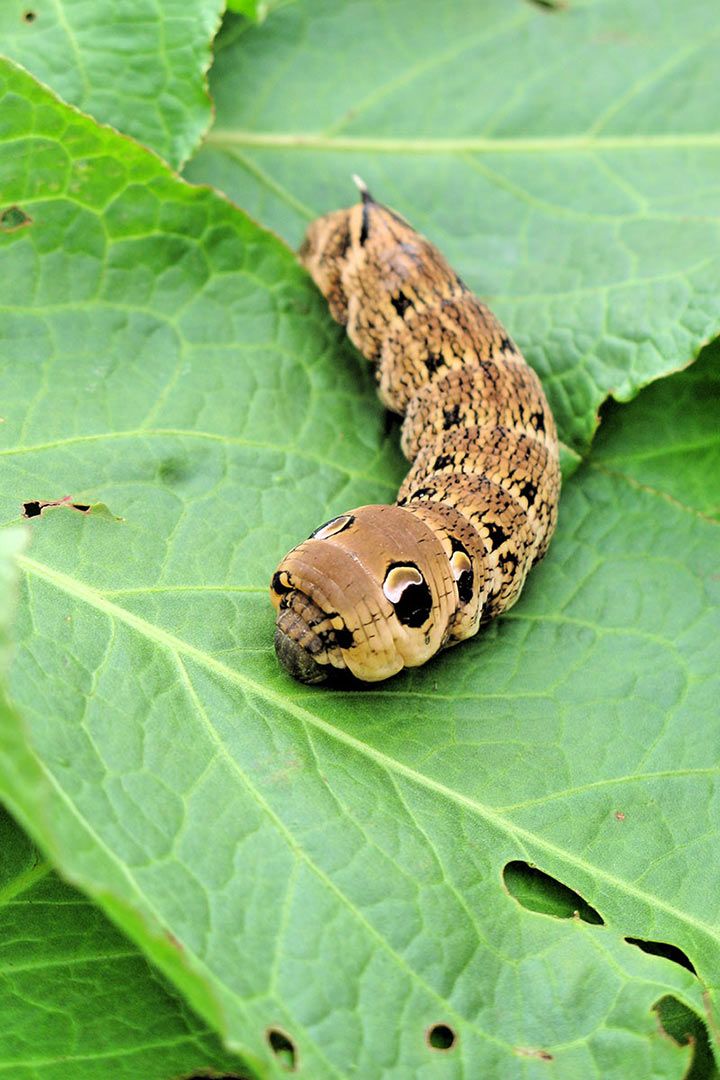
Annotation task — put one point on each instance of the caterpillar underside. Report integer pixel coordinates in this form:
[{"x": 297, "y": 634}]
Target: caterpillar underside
[{"x": 385, "y": 587}]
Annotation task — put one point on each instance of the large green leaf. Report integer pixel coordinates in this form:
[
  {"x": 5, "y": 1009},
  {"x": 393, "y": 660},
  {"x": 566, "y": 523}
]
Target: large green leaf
[
  {"x": 77, "y": 1000},
  {"x": 326, "y": 865},
  {"x": 671, "y": 440},
  {"x": 567, "y": 162},
  {"x": 139, "y": 65}
]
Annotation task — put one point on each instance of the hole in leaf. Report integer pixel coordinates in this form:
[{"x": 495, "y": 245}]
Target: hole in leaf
[
  {"x": 29, "y": 16},
  {"x": 537, "y": 891},
  {"x": 14, "y": 218},
  {"x": 685, "y": 1026},
  {"x": 440, "y": 1037},
  {"x": 661, "y": 948},
  {"x": 283, "y": 1048},
  {"x": 34, "y": 507},
  {"x": 210, "y": 1074}
]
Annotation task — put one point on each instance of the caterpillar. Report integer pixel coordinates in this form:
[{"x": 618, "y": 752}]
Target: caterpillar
[{"x": 380, "y": 588}]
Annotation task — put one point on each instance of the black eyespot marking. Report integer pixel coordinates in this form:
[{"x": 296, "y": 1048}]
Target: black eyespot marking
[
  {"x": 400, "y": 303},
  {"x": 465, "y": 586},
  {"x": 409, "y": 593},
  {"x": 462, "y": 571},
  {"x": 332, "y": 527},
  {"x": 433, "y": 362}
]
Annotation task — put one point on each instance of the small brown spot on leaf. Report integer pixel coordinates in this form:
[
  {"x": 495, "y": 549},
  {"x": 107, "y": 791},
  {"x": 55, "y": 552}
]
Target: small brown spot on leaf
[
  {"x": 619, "y": 815},
  {"x": 529, "y": 1051},
  {"x": 14, "y": 218},
  {"x": 29, "y": 16},
  {"x": 174, "y": 942}
]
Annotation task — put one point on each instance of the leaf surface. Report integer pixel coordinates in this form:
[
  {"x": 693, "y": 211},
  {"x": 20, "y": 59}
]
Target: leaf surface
[
  {"x": 58, "y": 955},
  {"x": 670, "y": 441},
  {"x": 139, "y": 65},
  {"x": 330, "y": 864},
  {"x": 566, "y": 161}
]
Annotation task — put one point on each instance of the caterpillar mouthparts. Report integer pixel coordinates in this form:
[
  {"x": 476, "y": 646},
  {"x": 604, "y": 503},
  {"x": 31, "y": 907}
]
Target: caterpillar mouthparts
[{"x": 380, "y": 588}]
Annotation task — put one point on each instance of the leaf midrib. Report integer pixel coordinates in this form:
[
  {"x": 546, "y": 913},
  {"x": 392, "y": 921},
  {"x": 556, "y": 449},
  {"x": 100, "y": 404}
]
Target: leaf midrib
[
  {"x": 90, "y": 596},
  {"x": 537, "y": 144}
]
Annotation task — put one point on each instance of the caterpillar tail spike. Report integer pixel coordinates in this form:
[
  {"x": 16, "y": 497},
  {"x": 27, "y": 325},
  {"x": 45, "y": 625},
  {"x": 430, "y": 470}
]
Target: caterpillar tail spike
[{"x": 380, "y": 588}]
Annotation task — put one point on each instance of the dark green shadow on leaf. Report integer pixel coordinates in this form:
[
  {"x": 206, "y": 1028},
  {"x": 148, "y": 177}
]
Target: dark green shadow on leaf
[
  {"x": 685, "y": 1026},
  {"x": 537, "y": 891}
]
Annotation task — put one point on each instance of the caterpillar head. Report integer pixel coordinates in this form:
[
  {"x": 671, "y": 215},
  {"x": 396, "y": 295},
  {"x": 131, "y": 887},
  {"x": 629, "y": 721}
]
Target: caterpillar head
[{"x": 369, "y": 593}]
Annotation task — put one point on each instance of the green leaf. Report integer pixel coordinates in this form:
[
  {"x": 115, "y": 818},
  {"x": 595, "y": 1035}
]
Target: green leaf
[
  {"x": 257, "y": 10},
  {"x": 683, "y": 1026},
  {"x": 139, "y": 65},
  {"x": 539, "y": 892},
  {"x": 58, "y": 954},
  {"x": 77, "y": 1000},
  {"x": 331, "y": 865},
  {"x": 567, "y": 162},
  {"x": 670, "y": 441}
]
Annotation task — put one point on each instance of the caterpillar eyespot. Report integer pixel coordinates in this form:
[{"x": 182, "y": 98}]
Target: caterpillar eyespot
[
  {"x": 409, "y": 593},
  {"x": 381, "y": 588},
  {"x": 330, "y": 528}
]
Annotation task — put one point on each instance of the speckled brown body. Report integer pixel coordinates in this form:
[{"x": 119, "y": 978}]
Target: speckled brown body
[{"x": 382, "y": 588}]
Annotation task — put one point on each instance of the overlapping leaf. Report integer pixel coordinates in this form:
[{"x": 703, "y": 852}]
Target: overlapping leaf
[
  {"x": 671, "y": 440},
  {"x": 567, "y": 162},
  {"x": 139, "y": 65},
  {"x": 77, "y": 1000}
]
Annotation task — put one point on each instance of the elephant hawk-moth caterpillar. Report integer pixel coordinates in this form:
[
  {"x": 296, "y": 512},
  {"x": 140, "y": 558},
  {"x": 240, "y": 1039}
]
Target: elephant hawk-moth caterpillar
[{"x": 380, "y": 588}]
